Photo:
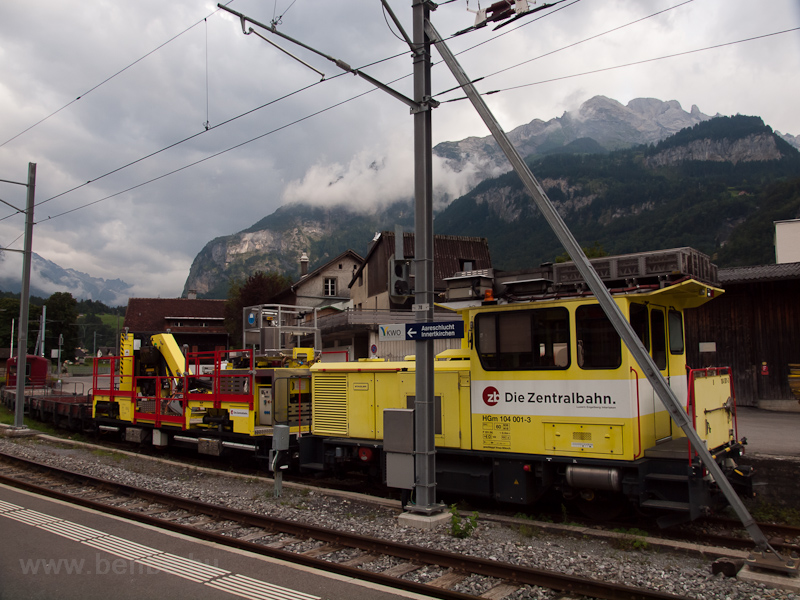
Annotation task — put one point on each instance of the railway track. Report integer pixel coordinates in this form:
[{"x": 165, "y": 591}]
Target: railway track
[
  {"x": 711, "y": 531},
  {"x": 320, "y": 548},
  {"x": 727, "y": 533}
]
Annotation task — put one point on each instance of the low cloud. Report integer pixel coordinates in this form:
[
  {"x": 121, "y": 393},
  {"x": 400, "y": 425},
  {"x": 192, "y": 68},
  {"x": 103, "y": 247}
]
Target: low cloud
[{"x": 375, "y": 178}]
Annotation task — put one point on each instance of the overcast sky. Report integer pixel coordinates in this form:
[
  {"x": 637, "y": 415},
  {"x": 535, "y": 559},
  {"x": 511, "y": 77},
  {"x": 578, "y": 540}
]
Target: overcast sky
[{"x": 52, "y": 52}]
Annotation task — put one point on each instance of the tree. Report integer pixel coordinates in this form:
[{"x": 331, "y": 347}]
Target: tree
[
  {"x": 62, "y": 316},
  {"x": 93, "y": 333},
  {"x": 9, "y": 311},
  {"x": 259, "y": 288}
]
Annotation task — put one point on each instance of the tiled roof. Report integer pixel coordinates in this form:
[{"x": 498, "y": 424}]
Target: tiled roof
[
  {"x": 760, "y": 273},
  {"x": 151, "y": 314}
]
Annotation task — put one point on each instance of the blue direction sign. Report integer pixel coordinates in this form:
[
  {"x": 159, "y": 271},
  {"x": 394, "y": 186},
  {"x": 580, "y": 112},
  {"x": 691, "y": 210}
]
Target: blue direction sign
[{"x": 437, "y": 330}]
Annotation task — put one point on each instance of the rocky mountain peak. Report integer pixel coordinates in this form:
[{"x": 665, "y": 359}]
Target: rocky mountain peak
[{"x": 610, "y": 123}]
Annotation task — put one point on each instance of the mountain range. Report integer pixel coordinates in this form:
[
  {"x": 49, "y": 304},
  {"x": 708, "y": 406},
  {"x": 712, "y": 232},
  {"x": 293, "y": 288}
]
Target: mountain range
[
  {"x": 47, "y": 277},
  {"x": 641, "y": 176}
]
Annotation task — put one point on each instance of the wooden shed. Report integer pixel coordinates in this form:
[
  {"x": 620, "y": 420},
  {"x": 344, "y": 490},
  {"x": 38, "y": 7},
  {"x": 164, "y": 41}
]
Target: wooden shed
[{"x": 754, "y": 327}]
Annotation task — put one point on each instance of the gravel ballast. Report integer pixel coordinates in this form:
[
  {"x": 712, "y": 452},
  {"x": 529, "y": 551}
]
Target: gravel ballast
[{"x": 625, "y": 562}]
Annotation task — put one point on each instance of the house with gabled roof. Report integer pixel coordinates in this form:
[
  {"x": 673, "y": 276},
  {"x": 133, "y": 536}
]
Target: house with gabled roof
[
  {"x": 198, "y": 324},
  {"x": 452, "y": 254},
  {"x": 355, "y": 330},
  {"x": 325, "y": 286}
]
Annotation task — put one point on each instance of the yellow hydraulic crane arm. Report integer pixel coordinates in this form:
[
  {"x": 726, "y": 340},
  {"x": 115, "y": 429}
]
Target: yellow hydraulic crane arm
[{"x": 166, "y": 344}]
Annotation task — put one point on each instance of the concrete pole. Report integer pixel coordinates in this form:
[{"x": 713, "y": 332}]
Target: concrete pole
[
  {"x": 424, "y": 434},
  {"x": 24, "y": 301}
]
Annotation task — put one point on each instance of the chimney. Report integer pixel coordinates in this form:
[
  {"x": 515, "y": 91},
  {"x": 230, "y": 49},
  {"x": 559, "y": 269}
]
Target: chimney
[
  {"x": 303, "y": 265},
  {"x": 191, "y": 294}
]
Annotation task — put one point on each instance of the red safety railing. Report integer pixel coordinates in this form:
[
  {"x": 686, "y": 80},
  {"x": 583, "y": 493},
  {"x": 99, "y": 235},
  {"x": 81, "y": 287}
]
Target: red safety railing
[
  {"x": 161, "y": 399},
  {"x": 156, "y": 406},
  {"x": 210, "y": 372},
  {"x": 638, "y": 415}
]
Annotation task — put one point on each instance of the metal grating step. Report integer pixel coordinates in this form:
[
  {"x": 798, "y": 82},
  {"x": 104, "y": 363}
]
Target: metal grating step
[{"x": 667, "y": 505}]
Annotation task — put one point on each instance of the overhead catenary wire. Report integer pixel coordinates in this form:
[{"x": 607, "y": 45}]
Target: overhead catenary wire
[
  {"x": 612, "y": 30},
  {"x": 107, "y": 79},
  {"x": 208, "y": 121},
  {"x": 226, "y": 122},
  {"x": 207, "y": 126},
  {"x": 277, "y": 20},
  {"x": 352, "y": 98},
  {"x": 199, "y": 133},
  {"x": 216, "y": 154},
  {"x": 641, "y": 62},
  {"x": 312, "y": 115}
]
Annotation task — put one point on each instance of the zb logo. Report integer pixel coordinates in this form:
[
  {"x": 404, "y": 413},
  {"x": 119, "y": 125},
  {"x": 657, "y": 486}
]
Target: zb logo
[{"x": 491, "y": 396}]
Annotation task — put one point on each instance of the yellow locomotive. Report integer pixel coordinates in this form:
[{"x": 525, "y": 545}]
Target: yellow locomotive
[{"x": 542, "y": 396}]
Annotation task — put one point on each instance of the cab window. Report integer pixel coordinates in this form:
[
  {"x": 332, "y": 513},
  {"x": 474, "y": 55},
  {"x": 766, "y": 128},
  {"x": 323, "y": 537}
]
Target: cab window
[
  {"x": 659, "y": 338},
  {"x": 675, "y": 323},
  {"x": 639, "y": 323},
  {"x": 523, "y": 340},
  {"x": 599, "y": 345}
]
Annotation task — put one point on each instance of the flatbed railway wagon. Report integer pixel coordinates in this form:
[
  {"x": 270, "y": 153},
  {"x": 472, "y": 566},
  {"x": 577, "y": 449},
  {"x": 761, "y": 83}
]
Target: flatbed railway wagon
[
  {"x": 45, "y": 400},
  {"x": 543, "y": 397},
  {"x": 157, "y": 393}
]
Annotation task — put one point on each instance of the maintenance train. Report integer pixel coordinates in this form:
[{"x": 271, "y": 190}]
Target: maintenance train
[{"x": 541, "y": 397}]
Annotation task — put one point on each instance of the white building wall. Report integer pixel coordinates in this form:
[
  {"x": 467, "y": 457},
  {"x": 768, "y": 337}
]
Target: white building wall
[
  {"x": 311, "y": 290},
  {"x": 787, "y": 241}
]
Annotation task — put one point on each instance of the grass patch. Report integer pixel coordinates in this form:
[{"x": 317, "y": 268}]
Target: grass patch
[
  {"x": 459, "y": 527},
  {"x": 8, "y": 417},
  {"x": 565, "y": 520},
  {"x": 528, "y": 531},
  {"x": 784, "y": 515},
  {"x": 632, "y": 539},
  {"x": 116, "y": 456}
]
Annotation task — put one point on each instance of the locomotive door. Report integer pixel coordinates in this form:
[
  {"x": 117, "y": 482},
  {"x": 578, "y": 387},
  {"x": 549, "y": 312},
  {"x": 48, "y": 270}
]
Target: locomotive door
[
  {"x": 658, "y": 336},
  {"x": 649, "y": 323}
]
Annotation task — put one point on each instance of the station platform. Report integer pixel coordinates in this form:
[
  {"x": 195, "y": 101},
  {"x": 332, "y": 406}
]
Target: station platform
[{"x": 57, "y": 550}]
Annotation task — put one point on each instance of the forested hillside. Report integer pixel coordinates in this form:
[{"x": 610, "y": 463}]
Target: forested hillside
[{"x": 723, "y": 208}]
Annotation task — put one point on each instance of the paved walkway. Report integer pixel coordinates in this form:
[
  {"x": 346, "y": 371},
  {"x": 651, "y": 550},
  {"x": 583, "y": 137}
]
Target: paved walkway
[{"x": 770, "y": 432}]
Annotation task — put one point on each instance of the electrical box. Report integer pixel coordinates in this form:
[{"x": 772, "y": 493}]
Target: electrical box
[
  {"x": 280, "y": 437},
  {"x": 398, "y": 446},
  {"x": 265, "y": 405},
  {"x": 209, "y": 446},
  {"x": 135, "y": 434},
  {"x": 160, "y": 438}
]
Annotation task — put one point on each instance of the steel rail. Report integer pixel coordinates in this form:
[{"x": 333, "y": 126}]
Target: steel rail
[{"x": 516, "y": 574}]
